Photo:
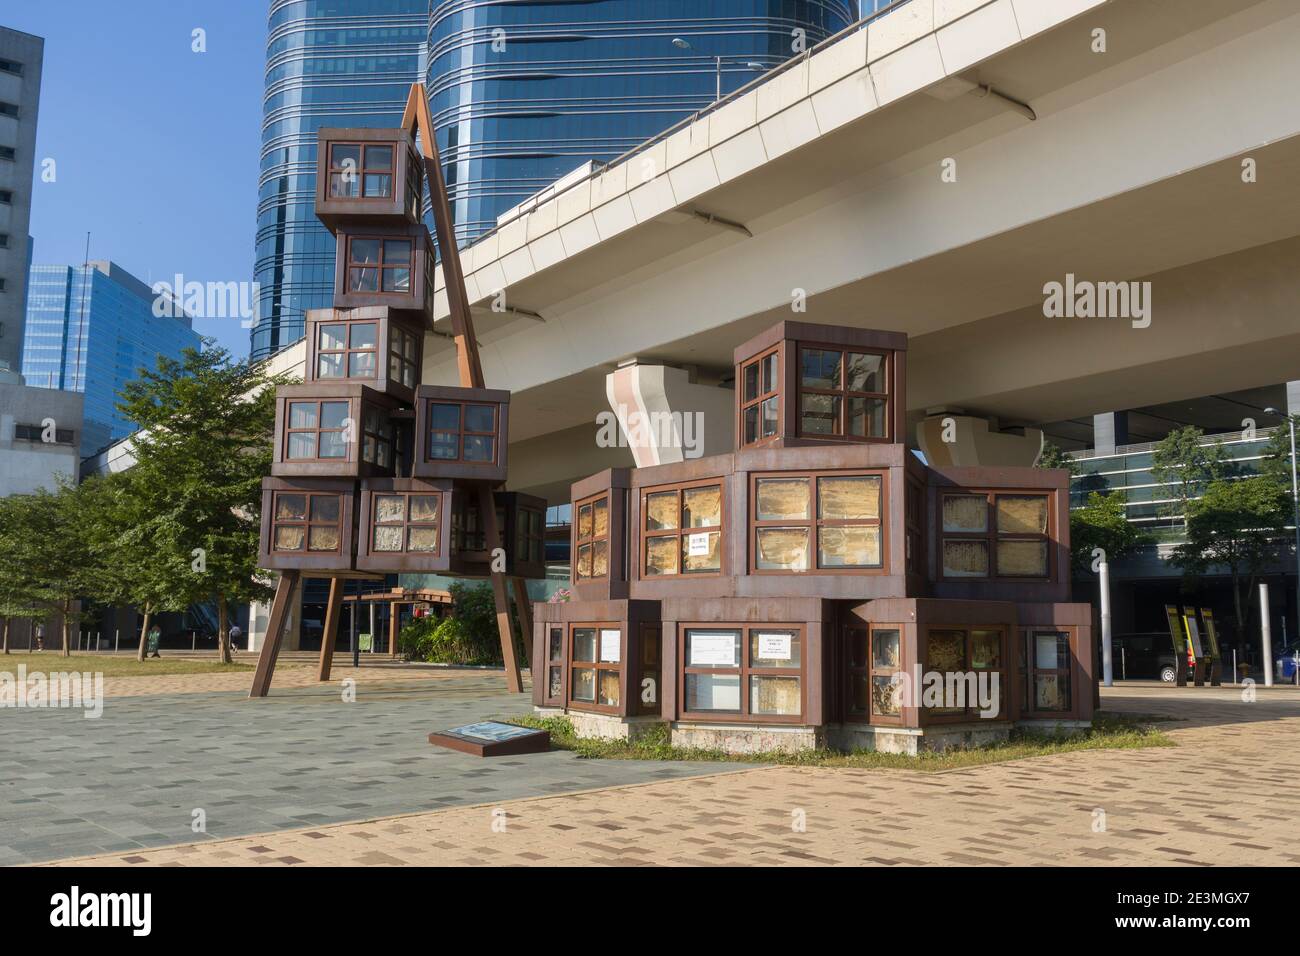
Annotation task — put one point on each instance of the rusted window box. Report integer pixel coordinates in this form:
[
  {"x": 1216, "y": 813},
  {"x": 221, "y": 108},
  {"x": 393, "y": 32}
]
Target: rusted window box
[
  {"x": 405, "y": 525},
  {"x": 601, "y": 657},
  {"x": 308, "y": 525},
  {"x": 375, "y": 346},
  {"x": 461, "y": 433},
  {"x": 326, "y": 430},
  {"x": 522, "y": 521},
  {"x": 598, "y": 536},
  {"x": 368, "y": 175},
  {"x": 384, "y": 266}
]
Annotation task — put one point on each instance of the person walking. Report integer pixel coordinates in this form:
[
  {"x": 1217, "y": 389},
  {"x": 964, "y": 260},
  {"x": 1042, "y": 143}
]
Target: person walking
[
  {"x": 235, "y": 634},
  {"x": 154, "y": 639}
]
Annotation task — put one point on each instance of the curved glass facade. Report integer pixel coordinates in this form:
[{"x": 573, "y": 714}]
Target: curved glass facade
[
  {"x": 328, "y": 63},
  {"x": 524, "y": 91}
]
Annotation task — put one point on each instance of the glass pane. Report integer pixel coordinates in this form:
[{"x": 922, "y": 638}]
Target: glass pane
[
  {"x": 965, "y": 559},
  {"x": 379, "y": 157},
  {"x": 946, "y": 652},
  {"x": 886, "y": 649},
  {"x": 886, "y": 694},
  {"x": 424, "y": 508},
  {"x": 323, "y": 538},
  {"x": 388, "y": 538},
  {"x": 965, "y": 513},
  {"x": 769, "y": 373},
  {"x": 397, "y": 280},
  {"x": 858, "y": 693},
  {"x": 774, "y": 695},
  {"x": 774, "y": 647},
  {"x": 444, "y": 417},
  {"x": 584, "y": 685},
  {"x": 409, "y": 345},
  {"x": 1051, "y": 692},
  {"x": 584, "y": 522},
  {"x": 821, "y": 368},
  {"x": 706, "y": 648},
  {"x": 1022, "y": 514},
  {"x": 361, "y": 365},
  {"x": 661, "y": 511},
  {"x": 584, "y": 644},
  {"x": 302, "y": 414},
  {"x": 555, "y": 649},
  {"x": 771, "y": 416},
  {"x": 344, "y": 185},
  {"x": 329, "y": 366},
  {"x": 702, "y": 507},
  {"x": 857, "y": 640},
  {"x": 364, "y": 252},
  {"x": 713, "y": 692},
  {"x": 555, "y": 683},
  {"x": 600, "y": 518},
  {"x": 751, "y": 382},
  {"x": 332, "y": 445},
  {"x": 333, "y": 414},
  {"x": 584, "y": 561},
  {"x": 848, "y": 547},
  {"x": 985, "y": 649},
  {"x": 325, "y": 508},
  {"x": 864, "y": 373},
  {"x": 783, "y": 499},
  {"x": 1022, "y": 559},
  {"x": 611, "y": 645},
  {"x": 867, "y": 417},
  {"x": 661, "y": 555},
  {"x": 290, "y": 538},
  {"x": 377, "y": 186},
  {"x": 820, "y": 414},
  {"x": 397, "y": 252},
  {"x": 408, "y": 375},
  {"x": 480, "y": 448},
  {"x": 782, "y": 549},
  {"x": 600, "y": 559},
  {"x": 290, "y": 507},
  {"x": 1051, "y": 651},
  {"x": 480, "y": 418},
  {"x": 840, "y": 499},
  {"x": 363, "y": 280},
  {"x": 333, "y": 337},
  {"x": 608, "y": 696},
  {"x": 345, "y": 156},
  {"x": 701, "y": 552},
  {"x": 751, "y": 425},
  {"x": 302, "y": 445},
  {"x": 363, "y": 335},
  {"x": 444, "y": 446},
  {"x": 422, "y": 540}
]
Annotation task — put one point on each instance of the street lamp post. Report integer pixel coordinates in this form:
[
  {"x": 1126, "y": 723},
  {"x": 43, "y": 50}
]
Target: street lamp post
[
  {"x": 1295, "y": 500},
  {"x": 717, "y": 63}
]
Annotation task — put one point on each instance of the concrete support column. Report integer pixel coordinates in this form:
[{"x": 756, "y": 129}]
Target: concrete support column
[
  {"x": 954, "y": 439},
  {"x": 1293, "y": 397},
  {"x": 1109, "y": 432},
  {"x": 665, "y": 417}
]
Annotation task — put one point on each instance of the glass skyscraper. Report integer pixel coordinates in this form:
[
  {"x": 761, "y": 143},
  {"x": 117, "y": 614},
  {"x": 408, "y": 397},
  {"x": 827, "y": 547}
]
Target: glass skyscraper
[
  {"x": 91, "y": 329},
  {"x": 328, "y": 63},
  {"x": 522, "y": 93}
]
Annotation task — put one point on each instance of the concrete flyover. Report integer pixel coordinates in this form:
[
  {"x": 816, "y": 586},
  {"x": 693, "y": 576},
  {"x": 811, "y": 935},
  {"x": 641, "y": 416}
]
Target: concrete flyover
[{"x": 894, "y": 179}]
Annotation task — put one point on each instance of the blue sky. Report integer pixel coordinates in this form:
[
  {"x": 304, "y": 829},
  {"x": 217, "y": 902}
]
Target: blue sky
[{"x": 156, "y": 146}]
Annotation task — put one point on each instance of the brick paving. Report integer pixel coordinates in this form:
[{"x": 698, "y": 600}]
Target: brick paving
[{"x": 1224, "y": 795}]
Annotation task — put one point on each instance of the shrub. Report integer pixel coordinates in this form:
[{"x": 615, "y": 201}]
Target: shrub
[{"x": 467, "y": 636}]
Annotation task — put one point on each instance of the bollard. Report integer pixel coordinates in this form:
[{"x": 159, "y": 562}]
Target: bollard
[
  {"x": 117, "y": 637},
  {"x": 1236, "y": 674},
  {"x": 1266, "y": 633}
]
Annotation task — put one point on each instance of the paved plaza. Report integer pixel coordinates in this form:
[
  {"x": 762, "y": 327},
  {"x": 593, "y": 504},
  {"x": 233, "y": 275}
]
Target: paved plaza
[{"x": 304, "y": 778}]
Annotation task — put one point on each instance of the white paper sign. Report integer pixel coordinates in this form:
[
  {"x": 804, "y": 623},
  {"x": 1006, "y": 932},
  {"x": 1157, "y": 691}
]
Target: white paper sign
[
  {"x": 611, "y": 645},
  {"x": 713, "y": 649},
  {"x": 697, "y": 545},
  {"x": 774, "y": 647}
]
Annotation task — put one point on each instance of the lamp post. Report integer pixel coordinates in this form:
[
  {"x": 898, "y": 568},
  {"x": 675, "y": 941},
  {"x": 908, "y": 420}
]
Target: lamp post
[
  {"x": 1295, "y": 498},
  {"x": 717, "y": 62}
]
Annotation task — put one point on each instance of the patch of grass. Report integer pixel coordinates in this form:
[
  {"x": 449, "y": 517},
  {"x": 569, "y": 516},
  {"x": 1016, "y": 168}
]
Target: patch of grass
[
  {"x": 1109, "y": 732},
  {"x": 114, "y": 665}
]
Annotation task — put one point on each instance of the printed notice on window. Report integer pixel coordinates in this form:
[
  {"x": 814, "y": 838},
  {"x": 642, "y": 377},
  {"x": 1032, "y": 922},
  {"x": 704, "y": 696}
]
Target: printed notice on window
[
  {"x": 774, "y": 647},
  {"x": 712, "y": 649},
  {"x": 697, "y": 545},
  {"x": 611, "y": 642}
]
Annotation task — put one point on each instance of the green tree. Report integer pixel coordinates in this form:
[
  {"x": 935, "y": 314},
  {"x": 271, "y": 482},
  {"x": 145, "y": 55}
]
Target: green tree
[
  {"x": 1236, "y": 524},
  {"x": 1185, "y": 464},
  {"x": 1275, "y": 463},
  {"x": 1053, "y": 456},
  {"x": 195, "y": 493},
  {"x": 1102, "y": 523},
  {"x": 17, "y": 587}
]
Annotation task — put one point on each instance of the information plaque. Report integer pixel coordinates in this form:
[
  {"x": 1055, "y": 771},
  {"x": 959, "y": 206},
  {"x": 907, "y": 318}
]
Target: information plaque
[{"x": 492, "y": 739}]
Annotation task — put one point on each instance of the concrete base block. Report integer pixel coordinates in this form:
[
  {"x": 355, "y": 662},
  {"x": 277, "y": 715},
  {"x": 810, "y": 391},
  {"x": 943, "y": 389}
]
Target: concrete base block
[
  {"x": 912, "y": 740},
  {"x": 603, "y": 726},
  {"x": 747, "y": 739}
]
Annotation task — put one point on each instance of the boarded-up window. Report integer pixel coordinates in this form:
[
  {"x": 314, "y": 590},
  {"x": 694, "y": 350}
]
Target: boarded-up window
[
  {"x": 844, "y": 510},
  {"x": 683, "y": 530}
]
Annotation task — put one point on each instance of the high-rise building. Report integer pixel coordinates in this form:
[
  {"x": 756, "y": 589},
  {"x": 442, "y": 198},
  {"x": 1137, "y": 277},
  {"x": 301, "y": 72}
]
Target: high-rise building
[
  {"x": 90, "y": 329},
  {"x": 20, "y": 89},
  {"x": 523, "y": 93},
  {"x": 328, "y": 63}
]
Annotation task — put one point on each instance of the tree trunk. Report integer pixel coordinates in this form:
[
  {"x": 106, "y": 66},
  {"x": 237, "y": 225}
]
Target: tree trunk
[
  {"x": 67, "y": 628},
  {"x": 223, "y": 630},
  {"x": 144, "y": 633},
  {"x": 6, "y": 635},
  {"x": 1236, "y": 607}
]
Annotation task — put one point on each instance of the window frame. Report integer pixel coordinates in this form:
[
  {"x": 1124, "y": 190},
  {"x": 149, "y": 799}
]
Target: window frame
[
  {"x": 969, "y": 713},
  {"x": 681, "y": 533},
  {"x": 844, "y": 393},
  {"x": 555, "y": 634},
  {"x": 307, "y": 523},
  {"x": 397, "y": 339},
  {"x": 579, "y": 542},
  {"x": 1030, "y": 670},
  {"x": 381, "y": 266},
  {"x": 991, "y": 535},
  {"x": 598, "y": 666},
  {"x": 347, "y": 351},
  {"x": 776, "y": 353},
  {"x": 869, "y": 672},
  {"x": 406, "y": 523},
  {"x": 744, "y": 671},
  {"x": 461, "y": 433},
  {"x": 363, "y": 168},
  {"x": 349, "y": 455},
  {"x": 815, "y": 523}
]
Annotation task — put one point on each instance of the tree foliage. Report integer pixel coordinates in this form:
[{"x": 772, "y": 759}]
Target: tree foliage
[
  {"x": 1102, "y": 523},
  {"x": 1185, "y": 464}
]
